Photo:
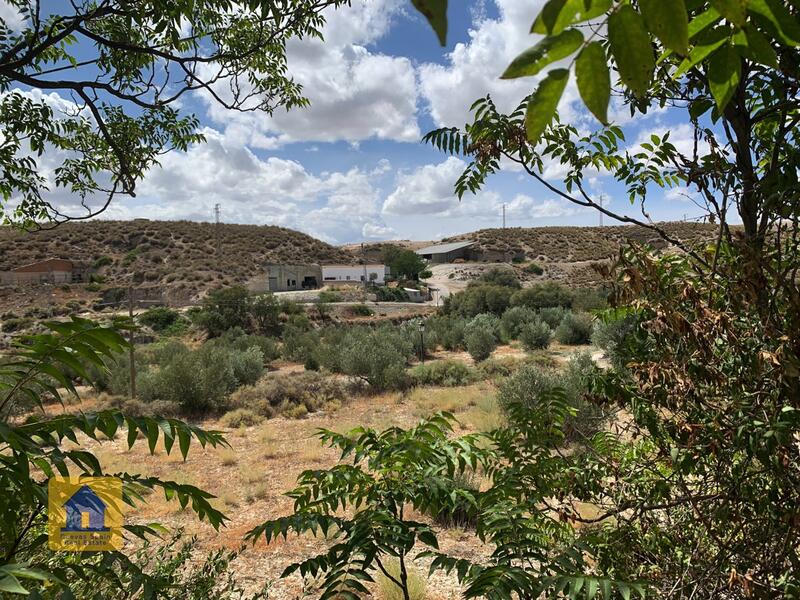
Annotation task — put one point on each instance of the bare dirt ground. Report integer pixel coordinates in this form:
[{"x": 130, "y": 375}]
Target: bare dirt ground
[{"x": 250, "y": 478}]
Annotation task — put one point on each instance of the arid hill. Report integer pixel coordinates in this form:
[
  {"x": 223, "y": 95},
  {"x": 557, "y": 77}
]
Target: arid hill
[{"x": 181, "y": 256}]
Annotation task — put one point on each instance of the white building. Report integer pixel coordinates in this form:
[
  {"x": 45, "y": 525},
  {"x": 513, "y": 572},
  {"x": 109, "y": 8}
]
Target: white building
[{"x": 375, "y": 274}]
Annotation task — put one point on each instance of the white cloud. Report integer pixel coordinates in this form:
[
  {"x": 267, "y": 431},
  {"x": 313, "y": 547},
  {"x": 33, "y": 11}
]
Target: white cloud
[
  {"x": 11, "y": 17},
  {"x": 377, "y": 231},
  {"x": 425, "y": 191},
  {"x": 355, "y": 93},
  {"x": 474, "y": 68}
]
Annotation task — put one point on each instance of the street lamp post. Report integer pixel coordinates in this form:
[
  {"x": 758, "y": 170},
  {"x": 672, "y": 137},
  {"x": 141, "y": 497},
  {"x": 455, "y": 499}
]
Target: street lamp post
[{"x": 422, "y": 342}]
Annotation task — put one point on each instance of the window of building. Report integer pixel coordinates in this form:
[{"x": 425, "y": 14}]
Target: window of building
[{"x": 348, "y": 278}]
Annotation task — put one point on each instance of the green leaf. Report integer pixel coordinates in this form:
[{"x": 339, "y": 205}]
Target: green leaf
[
  {"x": 733, "y": 10},
  {"x": 548, "y": 50},
  {"x": 544, "y": 102},
  {"x": 557, "y": 15},
  {"x": 703, "y": 21},
  {"x": 630, "y": 46},
  {"x": 594, "y": 80},
  {"x": 723, "y": 74},
  {"x": 775, "y": 13},
  {"x": 11, "y": 584},
  {"x": 759, "y": 47},
  {"x": 669, "y": 22},
  {"x": 436, "y": 13}
]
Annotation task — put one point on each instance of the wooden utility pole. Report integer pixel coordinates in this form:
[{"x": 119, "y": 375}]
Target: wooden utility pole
[
  {"x": 216, "y": 226},
  {"x": 130, "y": 342},
  {"x": 504, "y": 216}
]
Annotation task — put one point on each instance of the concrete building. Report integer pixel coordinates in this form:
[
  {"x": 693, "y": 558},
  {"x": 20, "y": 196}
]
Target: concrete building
[
  {"x": 446, "y": 253},
  {"x": 287, "y": 278},
  {"x": 375, "y": 274},
  {"x": 52, "y": 270}
]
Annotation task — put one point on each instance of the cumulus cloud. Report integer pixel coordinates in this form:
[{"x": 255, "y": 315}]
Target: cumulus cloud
[
  {"x": 425, "y": 191},
  {"x": 355, "y": 92},
  {"x": 473, "y": 68},
  {"x": 377, "y": 231}
]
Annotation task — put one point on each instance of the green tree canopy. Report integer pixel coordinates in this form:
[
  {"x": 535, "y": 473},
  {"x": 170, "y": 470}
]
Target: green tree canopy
[{"x": 127, "y": 67}]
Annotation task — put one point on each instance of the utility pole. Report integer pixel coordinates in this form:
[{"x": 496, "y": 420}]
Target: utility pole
[
  {"x": 504, "y": 216},
  {"x": 216, "y": 226},
  {"x": 364, "y": 260},
  {"x": 130, "y": 342}
]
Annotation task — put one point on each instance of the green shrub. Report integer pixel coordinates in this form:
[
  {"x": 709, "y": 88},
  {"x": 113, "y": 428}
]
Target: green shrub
[
  {"x": 530, "y": 383},
  {"x": 535, "y": 335},
  {"x": 500, "y": 276},
  {"x": 377, "y": 357},
  {"x": 543, "y": 295},
  {"x": 513, "y": 320},
  {"x": 388, "y": 294},
  {"x": 224, "y": 309},
  {"x": 533, "y": 269},
  {"x": 450, "y": 373},
  {"x": 587, "y": 299},
  {"x": 247, "y": 365},
  {"x": 449, "y": 330},
  {"x": 477, "y": 299},
  {"x": 159, "y": 318},
  {"x": 102, "y": 261},
  {"x": 360, "y": 310},
  {"x": 237, "y": 339},
  {"x": 329, "y": 296},
  {"x": 616, "y": 333},
  {"x": 93, "y": 287},
  {"x": 463, "y": 513},
  {"x": 552, "y": 315},
  {"x": 574, "y": 329},
  {"x": 299, "y": 345},
  {"x": 485, "y": 321},
  {"x": 16, "y": 324},
  {"x": 480, "y": 342},
  {"x": 240, "y": 417},
  {"x": 494, "y": 368}
]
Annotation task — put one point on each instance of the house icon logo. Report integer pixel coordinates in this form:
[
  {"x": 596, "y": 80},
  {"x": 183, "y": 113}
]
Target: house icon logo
[{"x": 85, "y": 513}]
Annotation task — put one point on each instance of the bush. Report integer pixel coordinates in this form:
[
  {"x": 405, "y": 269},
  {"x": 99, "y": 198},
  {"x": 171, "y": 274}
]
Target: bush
[
  {"x": 328, "y": 296},
  {"x": 449, "y": 330},
  {"x": 16, "y": 324},
  {"x": 102, "y": 261},
  {"x": 501, "y": 276},
  {"x": 387, "y": 294},
  {"x": 514, "y": 319},
  {"x": 477, "y": 299},
  {"x": 224, "y": 309},
  {"x": 480, "y": 343},
  {"x": 159, "y": 319},
  {"x": 586, "y": 299},
  {"x": 299, "y": 345},
  {"x": 574, "y": 329},
  {"x": 360, "y": 310},
  {"x": 276, "y": 394},
  {"x": 486, "y": 321},
  {"x": 494, "y": 368},
  {"x": 462, "y": 513},
  {"x": 239, "y": 340},
  {"x": 535, "y": 335},
  {"x": 552, "y": 315},
  {"x": 530, "y": 383},
  {"x": 240, "y": 417},
  {"x": 377, "y": 357},
  {"x": 533, "y": 269},
  {"x": 616, "y": 333},
  {"x": 450, "y": 373},
  {"x": 247, "y": 365},
  {"x": 543, "y": 295}
]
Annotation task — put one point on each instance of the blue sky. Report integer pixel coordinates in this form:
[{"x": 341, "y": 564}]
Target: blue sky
[{"x": 351, "y": 166}]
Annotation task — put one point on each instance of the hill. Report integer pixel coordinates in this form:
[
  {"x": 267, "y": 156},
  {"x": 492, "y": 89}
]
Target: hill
[{"x": 179, "y": 256}]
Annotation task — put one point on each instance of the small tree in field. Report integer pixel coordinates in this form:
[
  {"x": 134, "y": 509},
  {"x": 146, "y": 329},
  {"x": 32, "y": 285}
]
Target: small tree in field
[{"x": 392, "y": 472}]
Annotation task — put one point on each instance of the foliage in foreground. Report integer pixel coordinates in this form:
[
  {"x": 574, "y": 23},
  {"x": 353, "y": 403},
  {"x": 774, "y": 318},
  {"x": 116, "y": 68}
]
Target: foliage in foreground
[{"x": 32, "y": 452}]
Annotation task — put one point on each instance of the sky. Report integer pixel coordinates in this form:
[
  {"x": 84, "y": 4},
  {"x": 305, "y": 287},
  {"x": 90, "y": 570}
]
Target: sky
[{"x": 351, "y": 167}]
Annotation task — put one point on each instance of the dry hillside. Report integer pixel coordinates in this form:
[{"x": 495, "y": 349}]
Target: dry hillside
[{"x": 181, "y": 256}]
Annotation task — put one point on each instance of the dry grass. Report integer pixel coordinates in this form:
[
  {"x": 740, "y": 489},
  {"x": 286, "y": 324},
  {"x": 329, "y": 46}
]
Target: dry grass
[{"x": 427, "y": 401}]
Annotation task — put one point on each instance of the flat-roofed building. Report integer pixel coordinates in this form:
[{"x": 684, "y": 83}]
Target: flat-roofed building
[
  {"x": 374, "y": 274},
  {"x": 446, "y": 253}
]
